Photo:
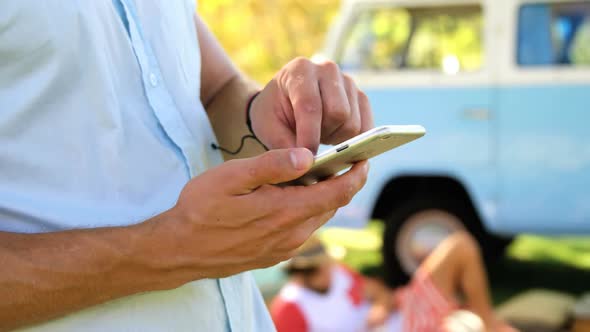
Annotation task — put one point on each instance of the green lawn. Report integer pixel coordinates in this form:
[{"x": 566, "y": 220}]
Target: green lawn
[
  {"x": 570, "y": 251},
  {"x": 356, "y": 248},
  {"x": 561, "y": 264}
]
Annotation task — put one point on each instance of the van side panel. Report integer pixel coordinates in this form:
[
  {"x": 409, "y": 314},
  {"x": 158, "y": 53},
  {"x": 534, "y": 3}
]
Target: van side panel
[
  {"x": 544, "y": 158},
  {"x": 455, "y": 145}
]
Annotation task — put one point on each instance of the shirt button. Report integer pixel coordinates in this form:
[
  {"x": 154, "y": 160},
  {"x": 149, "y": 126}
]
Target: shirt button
[{"x": 153, "y": 80}]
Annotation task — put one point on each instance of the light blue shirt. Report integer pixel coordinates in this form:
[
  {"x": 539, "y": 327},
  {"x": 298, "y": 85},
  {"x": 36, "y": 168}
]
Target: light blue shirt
[{"x": 101, "y": 125}]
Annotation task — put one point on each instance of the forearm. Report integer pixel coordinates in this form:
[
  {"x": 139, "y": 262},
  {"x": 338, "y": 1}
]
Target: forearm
[
  {"x": 46, "y": 276},
  {"x": 227, "y": 113},
  {"x": 224, "y": 93}
]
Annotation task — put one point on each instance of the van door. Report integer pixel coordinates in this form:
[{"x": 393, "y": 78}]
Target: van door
[
  {"x": 544, "y": 119},
  {"x": 425, "y": 63}
]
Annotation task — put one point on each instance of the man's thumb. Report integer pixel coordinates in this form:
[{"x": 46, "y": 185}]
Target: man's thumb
[{"x": 272, "y": 167}]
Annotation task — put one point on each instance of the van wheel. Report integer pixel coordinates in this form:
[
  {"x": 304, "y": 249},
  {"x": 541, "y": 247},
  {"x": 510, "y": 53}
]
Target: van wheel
[{"x": 416, "y": 227}]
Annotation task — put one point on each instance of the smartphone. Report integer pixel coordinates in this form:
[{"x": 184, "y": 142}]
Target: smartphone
[{"x": 362, "y": 147}]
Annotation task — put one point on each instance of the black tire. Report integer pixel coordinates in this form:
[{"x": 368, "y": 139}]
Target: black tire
[{"x": 396, "y": 274}]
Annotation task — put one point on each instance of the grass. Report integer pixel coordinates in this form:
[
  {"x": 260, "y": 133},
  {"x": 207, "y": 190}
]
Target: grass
[
  {"x": 569, "y": 251},
  {"x": 561, "y": 264},
  {"x": 356, "y": 248}
]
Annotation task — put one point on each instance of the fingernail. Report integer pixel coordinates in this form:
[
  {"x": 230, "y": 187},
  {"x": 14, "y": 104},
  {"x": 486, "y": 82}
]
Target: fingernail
[{"x": 300, "y": 158}]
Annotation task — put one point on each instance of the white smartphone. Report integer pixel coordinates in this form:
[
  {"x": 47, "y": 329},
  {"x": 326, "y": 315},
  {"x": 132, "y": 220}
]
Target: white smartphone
[{"x": 362, "y": 147}]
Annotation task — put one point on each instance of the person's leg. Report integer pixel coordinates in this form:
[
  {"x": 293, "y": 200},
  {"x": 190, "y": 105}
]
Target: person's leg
[{"x": 455, "y": 267}]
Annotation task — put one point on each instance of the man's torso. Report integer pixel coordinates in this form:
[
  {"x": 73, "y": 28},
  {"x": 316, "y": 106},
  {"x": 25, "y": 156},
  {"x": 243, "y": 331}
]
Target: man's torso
[{"x": 101, "y": 125}]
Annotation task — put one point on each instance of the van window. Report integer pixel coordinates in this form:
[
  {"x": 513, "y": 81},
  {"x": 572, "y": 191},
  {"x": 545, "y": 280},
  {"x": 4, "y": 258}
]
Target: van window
[
  {"x": 449, "y": 39},
  {"x": 554, "y": 34}
]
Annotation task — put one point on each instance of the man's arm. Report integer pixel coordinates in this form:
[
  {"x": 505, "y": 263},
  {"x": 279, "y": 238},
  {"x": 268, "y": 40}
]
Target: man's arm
[
  {"x": 48, "y": 275},
  {"x": 225, "y": 92},
  {"x": 216, "y": 229}
]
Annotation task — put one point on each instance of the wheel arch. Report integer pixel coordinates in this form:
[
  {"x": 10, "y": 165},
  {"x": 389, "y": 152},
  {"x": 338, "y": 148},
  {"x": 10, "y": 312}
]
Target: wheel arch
[
  {"x": 403, "y": 193},
  {"x": 402, "y": 188}
]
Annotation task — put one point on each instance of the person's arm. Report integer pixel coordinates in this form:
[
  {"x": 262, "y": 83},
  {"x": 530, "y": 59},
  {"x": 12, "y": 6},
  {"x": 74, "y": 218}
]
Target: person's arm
[
  {"x": 373, "y": 291},
  {"x": 225, "y": 92},
  {"x": 48, "y": 275},
  {"x": 216, "y": 229},
  {"x": 382, "y": 299}
]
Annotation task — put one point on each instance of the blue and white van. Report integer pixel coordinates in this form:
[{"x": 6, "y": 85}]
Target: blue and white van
[{"x": 503, "y": 89}]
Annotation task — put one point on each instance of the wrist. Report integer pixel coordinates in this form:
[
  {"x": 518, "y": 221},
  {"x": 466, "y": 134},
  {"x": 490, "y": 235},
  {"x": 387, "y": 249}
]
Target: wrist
[
  {"x": 249, "y": 115},
  {"x": 160, "y": 251},
  {"x": 249, "y": 111}
]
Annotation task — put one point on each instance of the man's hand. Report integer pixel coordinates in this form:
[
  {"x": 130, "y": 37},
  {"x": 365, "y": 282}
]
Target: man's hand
[
  {"x": 227, "y": 220},
  {"x": 234, "y": 218},
  {"x": 306, "y": 104}
]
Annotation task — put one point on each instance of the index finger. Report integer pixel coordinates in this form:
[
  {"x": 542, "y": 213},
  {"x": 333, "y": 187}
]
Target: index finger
[
  {"x": 306, "y": 101},
  {"x": 365, "y": 112}
]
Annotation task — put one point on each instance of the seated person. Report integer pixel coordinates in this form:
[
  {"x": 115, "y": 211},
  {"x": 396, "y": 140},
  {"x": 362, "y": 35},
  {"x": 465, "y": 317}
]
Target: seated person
[{"x": 322, "y": 295}]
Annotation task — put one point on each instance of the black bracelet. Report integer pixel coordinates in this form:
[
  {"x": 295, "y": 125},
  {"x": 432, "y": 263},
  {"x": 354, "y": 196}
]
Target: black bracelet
[
  {"x": 248, "y": 109},
  {"x": 245, "y": 137}
]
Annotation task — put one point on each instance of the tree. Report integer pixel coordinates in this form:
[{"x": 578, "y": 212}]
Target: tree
[{"x": 263, "y": 35}]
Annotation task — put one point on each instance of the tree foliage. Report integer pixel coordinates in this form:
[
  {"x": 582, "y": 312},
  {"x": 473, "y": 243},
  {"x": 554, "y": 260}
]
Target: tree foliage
[{"x": 263, "y": 35}]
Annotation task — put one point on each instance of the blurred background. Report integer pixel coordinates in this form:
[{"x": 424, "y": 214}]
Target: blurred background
[
  {"x": 261, "y": 36},
  {"x": 502, "y": 88}
]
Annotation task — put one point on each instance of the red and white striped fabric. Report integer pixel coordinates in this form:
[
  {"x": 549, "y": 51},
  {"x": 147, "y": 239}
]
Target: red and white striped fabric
[{"x": 423, "y": 306}]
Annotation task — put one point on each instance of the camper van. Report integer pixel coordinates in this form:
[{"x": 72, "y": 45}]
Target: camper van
[{"x": 503, "y": 89}]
